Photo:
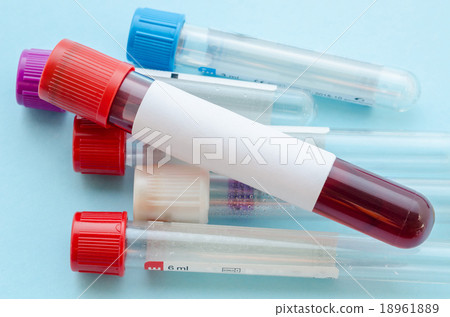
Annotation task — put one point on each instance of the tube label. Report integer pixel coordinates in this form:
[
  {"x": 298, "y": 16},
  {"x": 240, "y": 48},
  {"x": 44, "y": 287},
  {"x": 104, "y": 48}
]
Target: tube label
[
  {"x": 317, "y": 271},
  {"x": 201, "y": 133}
]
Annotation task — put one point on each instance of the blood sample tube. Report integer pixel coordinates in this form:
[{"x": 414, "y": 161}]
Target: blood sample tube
[
  {"x": 162, "y": 40},
  {"x": 105, "y": 243},
  {"x": 107, "y": 91},
  {"x": 263, "y": 103}
]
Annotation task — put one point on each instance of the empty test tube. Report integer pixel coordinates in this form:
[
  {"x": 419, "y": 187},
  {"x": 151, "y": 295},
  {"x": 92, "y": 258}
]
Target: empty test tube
[
  {"x": 162, "y": 40},
  {"x": 104, "y": 242},
  {"x": 264, "y": 103},
  {"x": 179, "y": 192},
  {"x": 393, "y": 154}
]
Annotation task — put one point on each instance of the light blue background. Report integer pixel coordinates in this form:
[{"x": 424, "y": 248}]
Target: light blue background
[{"x": 39, "y": 192}]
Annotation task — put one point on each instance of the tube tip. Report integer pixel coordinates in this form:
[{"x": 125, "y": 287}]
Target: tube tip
[
  {"x": 417, "y": 225},
  {"x": 293, "y": 107},
  {"x": 397, "y": 89}
]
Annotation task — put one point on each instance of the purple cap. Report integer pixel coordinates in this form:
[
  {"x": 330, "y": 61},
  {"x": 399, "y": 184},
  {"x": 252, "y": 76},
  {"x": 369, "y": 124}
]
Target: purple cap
[{"x": 29, "y": 71}]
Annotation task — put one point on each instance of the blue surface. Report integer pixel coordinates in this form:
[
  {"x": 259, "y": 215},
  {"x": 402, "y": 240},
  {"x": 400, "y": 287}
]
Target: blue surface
[{"x": 40, "y": 192}]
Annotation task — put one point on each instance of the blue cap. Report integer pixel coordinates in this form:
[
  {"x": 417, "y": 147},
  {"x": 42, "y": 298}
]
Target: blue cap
[{"x": 153, "y": 38}]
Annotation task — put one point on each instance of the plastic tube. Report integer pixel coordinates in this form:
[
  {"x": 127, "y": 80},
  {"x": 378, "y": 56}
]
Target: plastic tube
[
  {"x": 107, "y": 91},
  {"x": 103, "y": 242},
  {"x": 263, "y": 103},
  {"x": 205, "y": 51},
  {"x": 396, "y": 154},
  {"x": 165, "y": 195},
  {"x": 393, "y": 154}
]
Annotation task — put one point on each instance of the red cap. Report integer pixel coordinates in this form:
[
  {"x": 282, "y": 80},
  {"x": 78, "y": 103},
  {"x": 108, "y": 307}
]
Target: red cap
[
  {"x": 98, "y": 242},
  {"x": 81, "y": 80},
  {"x": 98, "y": 150}
]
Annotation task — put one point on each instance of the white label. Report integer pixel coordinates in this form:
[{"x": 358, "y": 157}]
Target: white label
[
  {"x": 317, "y": 271},
  {"x": 218, "y": 140}
]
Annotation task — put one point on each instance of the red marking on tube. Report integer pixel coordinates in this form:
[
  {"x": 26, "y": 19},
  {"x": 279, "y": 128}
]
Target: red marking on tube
[{"x": 154, "y": 265}]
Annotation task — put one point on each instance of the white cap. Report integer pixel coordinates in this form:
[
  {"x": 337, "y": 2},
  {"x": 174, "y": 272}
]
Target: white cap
[{"x": 171, "y": 193}]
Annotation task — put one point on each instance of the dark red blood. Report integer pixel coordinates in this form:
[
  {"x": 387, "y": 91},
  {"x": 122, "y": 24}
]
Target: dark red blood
[{"x": 375, "y": 206}]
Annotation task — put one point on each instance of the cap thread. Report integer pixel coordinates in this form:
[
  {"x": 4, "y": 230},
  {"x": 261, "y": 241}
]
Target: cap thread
[
  {"x": 82, "y": 80},
  {"x": 98, "y": 150},
  {"x": 98, "y": 242},
  {"x": 153, "y": 38}
]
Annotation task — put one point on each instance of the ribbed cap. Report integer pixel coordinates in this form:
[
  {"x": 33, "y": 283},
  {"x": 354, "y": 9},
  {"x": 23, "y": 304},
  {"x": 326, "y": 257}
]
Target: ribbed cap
[
  {"x": 29, "y": 71},
  {"x": 171, "y": 193},
  {"x": 81, "y": 80},
  {"x": 98, "y": 242},
  {"x": 98, "y": 150},
  {"x": 153, "y": 38}
]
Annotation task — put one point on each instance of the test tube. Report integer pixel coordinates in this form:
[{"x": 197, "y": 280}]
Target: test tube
[
  {"x": 263, "y": 103},
  {"x": 167, "y": 195},
  {"x": 107, "y": 91},
  {"x": 162, "y": 40},
  {"x": 105, "y": 243},
  {"x": 393, "y": 154}
]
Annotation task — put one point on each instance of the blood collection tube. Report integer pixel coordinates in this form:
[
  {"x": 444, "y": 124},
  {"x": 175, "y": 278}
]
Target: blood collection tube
[
  {"x": 105, "y": 243},
  {"x": 264, "y": 103},
  {"x": 107, "y": 91},
  {"x": 162, "y": 40},
  {"x": 167, "y": 189}
]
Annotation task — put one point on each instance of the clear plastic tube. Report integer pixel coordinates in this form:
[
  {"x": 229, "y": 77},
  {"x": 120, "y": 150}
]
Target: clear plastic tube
[
  {"x": 264, "y": 103},
  {"x": 393, "y": 154},
  {"x": 210, "y": 52},
  {"x": 165, "y": 194},
  {"x": 107, "y": 91},
  {"x": 229, "y": 198},
  {"x": 183, "y": 247}
]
